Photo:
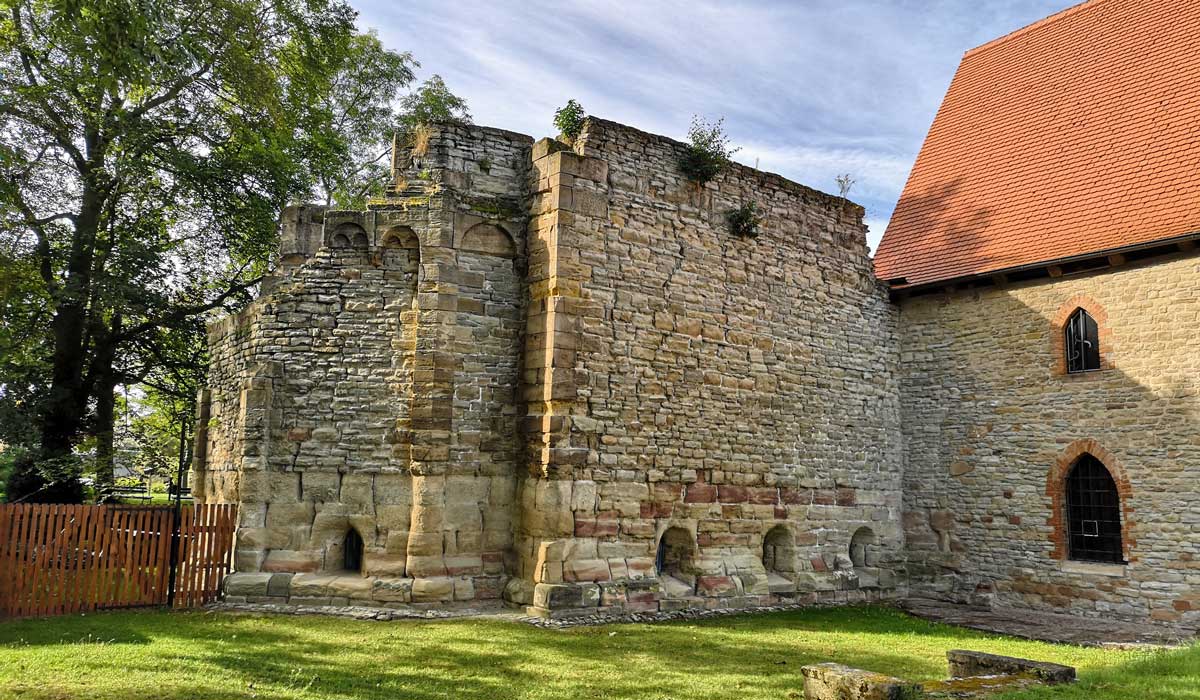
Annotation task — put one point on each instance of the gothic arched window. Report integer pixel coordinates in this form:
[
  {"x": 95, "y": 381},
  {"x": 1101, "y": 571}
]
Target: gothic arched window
[
  {"x": 1093, "y": 513},
  {"x": 1083, "y": 342}
]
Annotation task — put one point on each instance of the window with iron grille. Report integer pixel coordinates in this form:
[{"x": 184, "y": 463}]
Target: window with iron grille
[
  {"x": 1093, "y": 513},
  {"x": 1083, "y": 342}
]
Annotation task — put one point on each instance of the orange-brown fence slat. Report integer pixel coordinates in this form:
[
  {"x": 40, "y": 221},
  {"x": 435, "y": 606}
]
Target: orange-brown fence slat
[
  {"x": 11, "y": 546},
  {"x": 187, "y": 558},
  {"x": 210, "y": 556},
  {"x": 50, "y": 550},
  {"x": 63, "y": 559},
  {"x": 20, "y": 550},
  {"x": 6, "y": 535}
]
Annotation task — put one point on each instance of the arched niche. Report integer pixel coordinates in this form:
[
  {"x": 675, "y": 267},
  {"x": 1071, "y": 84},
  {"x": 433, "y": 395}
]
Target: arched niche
[
  {"x": 779, "y": 551},
  {"x": 489, "y": 239},
  {"x": 401, "y": 248},
  {"x": 674, "y": 563},
  {"x": 352, "y": 551},
  {"x": 864, "y": 548},
  {"x": 349, "y": 235}
]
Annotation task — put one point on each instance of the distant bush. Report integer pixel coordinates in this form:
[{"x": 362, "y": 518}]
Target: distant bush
[
  {"x": 709, "y": 151},
  {"x": 744, "y": 221},
  {"x": 129, "y": 482},
  {"x": 569, "y": 119}
]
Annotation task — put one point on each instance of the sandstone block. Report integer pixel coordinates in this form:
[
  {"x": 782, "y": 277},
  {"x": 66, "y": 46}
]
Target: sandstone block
[
  {"x": 432, "y": 590},
  {"x": 831, "y": 681},
  {"x": 247, "y": 584}
]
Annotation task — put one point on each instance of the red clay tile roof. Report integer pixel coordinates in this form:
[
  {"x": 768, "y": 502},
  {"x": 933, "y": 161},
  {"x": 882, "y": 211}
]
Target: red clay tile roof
[{"x": 1075, "y": 135}]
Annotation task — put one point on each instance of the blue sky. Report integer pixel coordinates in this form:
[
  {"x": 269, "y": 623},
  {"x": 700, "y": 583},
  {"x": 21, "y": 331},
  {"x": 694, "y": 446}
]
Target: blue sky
[{"x": 809, "y": 89}]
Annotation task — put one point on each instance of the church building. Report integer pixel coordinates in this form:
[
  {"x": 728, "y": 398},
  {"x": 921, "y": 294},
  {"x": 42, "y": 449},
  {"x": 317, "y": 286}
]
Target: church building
[{"x": 555, "y": 375}]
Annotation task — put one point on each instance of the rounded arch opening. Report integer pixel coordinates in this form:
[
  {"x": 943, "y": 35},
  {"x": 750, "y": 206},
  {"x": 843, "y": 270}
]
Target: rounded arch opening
[
  {"x": 1093, "y": 512},
  {"x": 352, "y": 551},
  {"x": 779, "y": 551},
  {"x": 675, "y": 553},
  {"x": 349, "y": 235},
  {"x": 401, "y": 249},
  {"x": 864, "y": 548},
  {"x": 489, "y": 239}
]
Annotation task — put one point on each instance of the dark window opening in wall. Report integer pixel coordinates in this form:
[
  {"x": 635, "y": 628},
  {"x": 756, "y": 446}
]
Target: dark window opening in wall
[
  {"x": 1083, "y": 343},
  {"x": 352, "y": 551},
  {"x": 674, "y": 557},
  {"x": 779, "y": 551},
  {"x": 1093, "y": 513}
]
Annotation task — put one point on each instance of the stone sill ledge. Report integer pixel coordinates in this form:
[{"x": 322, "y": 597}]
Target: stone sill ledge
[{"x": 1094, "y": 569}]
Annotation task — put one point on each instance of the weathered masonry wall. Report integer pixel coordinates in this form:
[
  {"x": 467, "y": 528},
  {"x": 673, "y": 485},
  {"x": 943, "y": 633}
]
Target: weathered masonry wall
[
  {"x": 632, "y": 410},
  {"x": 725, "y": 405},
  {"x": 992, "y": 424},
  {"x": 372, "y": 388}
]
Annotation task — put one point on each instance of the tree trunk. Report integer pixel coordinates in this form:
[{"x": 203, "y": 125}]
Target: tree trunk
[
  {"x": 62, "y": 413},
  {"x": 104, "y": 389},
  {"x": 106, "y": 408}
]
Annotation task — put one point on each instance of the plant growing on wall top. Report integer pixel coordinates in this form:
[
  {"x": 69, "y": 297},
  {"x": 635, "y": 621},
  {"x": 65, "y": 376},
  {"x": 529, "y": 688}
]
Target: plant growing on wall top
[
  {"x": 845, "y": 183},
  {"x": 745, "y": 220},
  {"x": 709, "y": 151},
  {"x": 569, "y": 119}
]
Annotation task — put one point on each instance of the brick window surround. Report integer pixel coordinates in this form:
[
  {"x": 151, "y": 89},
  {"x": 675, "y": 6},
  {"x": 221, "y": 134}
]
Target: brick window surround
[
  {"x": 1056, "y": 489},
  {"x": 1058, "y": 333}
]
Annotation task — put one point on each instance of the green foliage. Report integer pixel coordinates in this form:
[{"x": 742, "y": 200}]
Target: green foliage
[
  {"x": 708, "y": 152},
  {"x": 349, "y": 135},
  {"x": 38, "y": 480},
  {"x": 146, "y": 148},
  {"x": 8, "y": 457},
  {"x": 569, "y": 119},
  {"x": 24, "y": 348},
  {"x": 433, "y": 103},
  {"x": 129, "y": 482},
  {"x": 157, "y": 654},
  {"x": 744, "y": 221}
]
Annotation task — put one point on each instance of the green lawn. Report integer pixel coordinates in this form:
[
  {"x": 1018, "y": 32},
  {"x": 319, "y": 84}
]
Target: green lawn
[{"x": 151, "y": 654}]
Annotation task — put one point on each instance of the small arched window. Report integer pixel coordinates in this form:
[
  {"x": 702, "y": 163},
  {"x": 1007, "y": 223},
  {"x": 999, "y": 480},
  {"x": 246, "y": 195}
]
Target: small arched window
[
  {"x": 1082, "y": 342},
  {"x": 674, "y": 557},
  {"x": 352, "y": 551},
  {"x": 779, "y": 551},
  {"x": 862, "y": 548},
  {"x": 1093, "y": 513}
]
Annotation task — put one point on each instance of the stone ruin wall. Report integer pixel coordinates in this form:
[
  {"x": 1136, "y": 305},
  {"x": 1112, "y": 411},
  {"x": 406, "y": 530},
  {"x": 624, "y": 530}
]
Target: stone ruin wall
[
  {"x": 533, "y": 418},
  {"x": 992, "y": 423},
  {"x": 735, "y": 396},
  {"x": 373, "y": 386}
]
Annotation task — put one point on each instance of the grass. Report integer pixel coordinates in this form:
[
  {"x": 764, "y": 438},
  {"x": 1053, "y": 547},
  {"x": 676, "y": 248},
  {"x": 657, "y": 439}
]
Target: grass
[{"x": 154, "y": 654}]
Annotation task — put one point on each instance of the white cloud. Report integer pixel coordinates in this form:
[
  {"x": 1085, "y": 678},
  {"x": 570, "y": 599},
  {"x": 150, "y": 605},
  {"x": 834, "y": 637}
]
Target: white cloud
[{"x": 811, "y": 89}]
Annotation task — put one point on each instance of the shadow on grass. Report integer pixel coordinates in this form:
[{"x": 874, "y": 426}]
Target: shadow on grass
[{"x": 198, "y": 655}]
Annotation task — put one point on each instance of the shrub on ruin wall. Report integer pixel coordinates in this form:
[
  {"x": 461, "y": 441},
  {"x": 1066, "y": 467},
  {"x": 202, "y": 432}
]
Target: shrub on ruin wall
[
  {"x": 709, "y": 151},
  {"x": 569, "y": 120},
  {"x": 744, "y": 221}
]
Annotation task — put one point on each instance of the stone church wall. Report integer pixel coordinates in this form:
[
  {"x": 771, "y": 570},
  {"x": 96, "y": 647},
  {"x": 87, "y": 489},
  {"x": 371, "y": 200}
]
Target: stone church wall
[
  {"x": 733, "y": 397},
  {"x": 372, "y": 387},
  {"x": 992, "y": 423},
  {"x": 553, "y": 373}
]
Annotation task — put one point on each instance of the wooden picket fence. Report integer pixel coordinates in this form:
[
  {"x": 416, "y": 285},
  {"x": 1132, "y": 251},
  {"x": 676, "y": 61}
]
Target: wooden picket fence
[{"x": 60, "y": 559}]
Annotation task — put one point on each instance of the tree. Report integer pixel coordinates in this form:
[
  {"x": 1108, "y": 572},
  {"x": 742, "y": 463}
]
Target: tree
[
  {"x": 433, "y": 103},
  {"x": 359, "y": 116},
  {"x": 146, "y": 147}
]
